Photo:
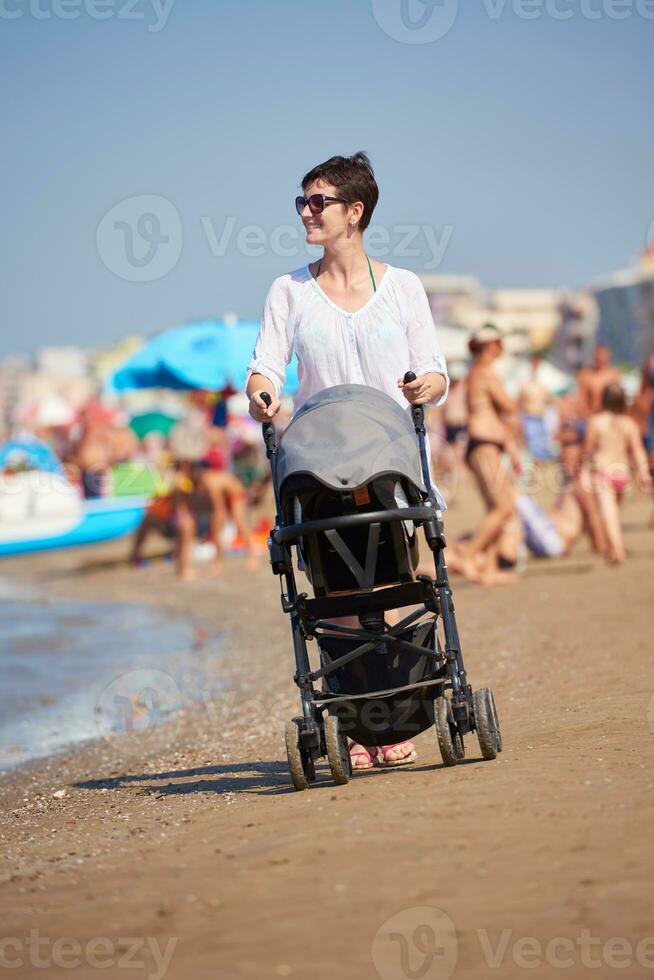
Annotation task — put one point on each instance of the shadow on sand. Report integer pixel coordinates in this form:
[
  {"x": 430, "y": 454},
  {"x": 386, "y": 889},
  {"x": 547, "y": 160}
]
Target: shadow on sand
[{"x": 260, "y": 778}]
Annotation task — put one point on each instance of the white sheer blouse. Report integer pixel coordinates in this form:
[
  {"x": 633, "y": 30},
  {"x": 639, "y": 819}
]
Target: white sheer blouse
[{"x": 393, "y": 333}]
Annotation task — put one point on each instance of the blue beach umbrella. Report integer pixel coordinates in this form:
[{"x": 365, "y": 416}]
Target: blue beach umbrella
[{"x": 207, "y": 355}]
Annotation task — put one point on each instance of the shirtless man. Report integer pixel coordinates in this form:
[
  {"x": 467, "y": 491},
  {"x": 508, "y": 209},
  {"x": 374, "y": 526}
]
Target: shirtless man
[
  {"x": 591, "y": 381},
  {"x": 92, "y": 455},
  {"x": 614, "y": 447},
  {"x": 533, "y": 399}
]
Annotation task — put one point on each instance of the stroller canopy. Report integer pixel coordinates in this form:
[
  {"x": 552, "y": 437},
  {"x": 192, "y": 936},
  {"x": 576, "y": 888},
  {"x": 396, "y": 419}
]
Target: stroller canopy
[{"x": 348, "y": 435}]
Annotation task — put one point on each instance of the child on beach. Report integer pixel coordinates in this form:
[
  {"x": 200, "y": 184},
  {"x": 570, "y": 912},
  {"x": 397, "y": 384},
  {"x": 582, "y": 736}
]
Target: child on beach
[{"x": 613, "y": 447}]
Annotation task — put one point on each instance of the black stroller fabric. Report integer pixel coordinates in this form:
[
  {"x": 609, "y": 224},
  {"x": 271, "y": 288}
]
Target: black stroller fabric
[{"x": 394, "y": 717}]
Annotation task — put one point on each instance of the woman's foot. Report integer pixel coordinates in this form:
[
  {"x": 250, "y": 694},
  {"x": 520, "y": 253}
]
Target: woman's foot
[
  {"x": 398, "y": 754},
  {"x": 360, "y": 756}
]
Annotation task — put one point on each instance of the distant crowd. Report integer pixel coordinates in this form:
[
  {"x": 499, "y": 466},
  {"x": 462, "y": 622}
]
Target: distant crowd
[
  {"x": 213, "y": 479},
  {"x": 601, "y": 442}
]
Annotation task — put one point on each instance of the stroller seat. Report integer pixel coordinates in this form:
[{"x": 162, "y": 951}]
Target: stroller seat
[{"x": 358, "y": 558}]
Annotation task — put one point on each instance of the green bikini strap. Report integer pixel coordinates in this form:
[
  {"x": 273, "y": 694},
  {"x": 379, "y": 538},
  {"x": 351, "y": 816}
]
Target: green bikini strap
[{"x": 374, "y": 284}]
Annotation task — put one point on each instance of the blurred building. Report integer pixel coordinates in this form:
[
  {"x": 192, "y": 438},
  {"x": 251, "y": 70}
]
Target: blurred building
[
  {"x": 575, "y": 338},
  {"x": 62, "y": 362},
  {"x": 626, "y": 311},
  {"x": 12, "y": 371},
  {"x": 528, "y": 318}
]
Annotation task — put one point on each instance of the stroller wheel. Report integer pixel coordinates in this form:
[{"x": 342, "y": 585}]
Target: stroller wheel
[
  {"x": 496, "y": 722},
  {"x": 486, "y": 723},
  {"x": 450, "y": 741},
  {"x": 338, "y": 751},
  {"x": 300, "y": 765}
]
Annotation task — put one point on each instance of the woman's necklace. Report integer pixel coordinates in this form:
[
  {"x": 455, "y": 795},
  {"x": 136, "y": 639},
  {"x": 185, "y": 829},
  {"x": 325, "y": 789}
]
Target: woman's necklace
[{"x": 374, "y": 285}]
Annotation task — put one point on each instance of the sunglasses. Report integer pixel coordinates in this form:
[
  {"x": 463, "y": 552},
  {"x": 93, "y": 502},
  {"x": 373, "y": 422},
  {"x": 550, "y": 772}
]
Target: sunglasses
[{"x": 317, "y": 203}]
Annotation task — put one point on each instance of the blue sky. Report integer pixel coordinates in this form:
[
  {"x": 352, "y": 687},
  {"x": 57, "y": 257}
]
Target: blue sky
[{"x": 517, "y": 147}]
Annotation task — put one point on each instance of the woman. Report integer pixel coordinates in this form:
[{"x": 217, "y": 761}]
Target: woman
[
  {"x": 350, "y": 320},
  {"x": 489, "y": 438},
  {"x": 644, "y": 411},
  {"x": 614, "y": 447}
]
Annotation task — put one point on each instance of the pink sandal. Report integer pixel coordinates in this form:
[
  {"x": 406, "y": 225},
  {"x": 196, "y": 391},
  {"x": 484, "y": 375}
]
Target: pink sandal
[
  {"x": 386, "y": 763},
  {"x": 361, "y": 753}
]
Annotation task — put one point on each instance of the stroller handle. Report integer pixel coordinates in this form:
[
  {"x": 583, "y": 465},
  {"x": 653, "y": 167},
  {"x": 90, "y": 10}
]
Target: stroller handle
[
  {"x": 418, "y": 416},
  {"x": 268, "y": 429}
]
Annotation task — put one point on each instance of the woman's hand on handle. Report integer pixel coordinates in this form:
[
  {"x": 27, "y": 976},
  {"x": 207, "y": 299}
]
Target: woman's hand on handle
[
  {"x": 423, "y": 389},
  {"x": 258, "y": 409}
]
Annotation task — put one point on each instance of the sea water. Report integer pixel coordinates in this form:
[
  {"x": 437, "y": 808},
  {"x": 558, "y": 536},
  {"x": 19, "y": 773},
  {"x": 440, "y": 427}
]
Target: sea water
[{"x": 72, "y": 671}]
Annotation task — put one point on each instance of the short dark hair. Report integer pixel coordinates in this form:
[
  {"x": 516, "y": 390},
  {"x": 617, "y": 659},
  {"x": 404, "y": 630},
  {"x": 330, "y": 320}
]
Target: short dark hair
[
  {"x": 354, "y": 179},
  {"x": 614, "y": 398}
]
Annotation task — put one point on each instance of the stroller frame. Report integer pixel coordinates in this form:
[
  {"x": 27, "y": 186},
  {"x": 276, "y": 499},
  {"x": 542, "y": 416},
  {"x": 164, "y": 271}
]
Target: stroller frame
[{"x": 318, "y": 731}]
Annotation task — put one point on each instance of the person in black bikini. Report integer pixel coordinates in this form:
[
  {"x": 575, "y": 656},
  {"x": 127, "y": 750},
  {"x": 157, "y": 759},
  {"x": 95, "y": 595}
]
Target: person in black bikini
[{"x": 489, "y": 440}]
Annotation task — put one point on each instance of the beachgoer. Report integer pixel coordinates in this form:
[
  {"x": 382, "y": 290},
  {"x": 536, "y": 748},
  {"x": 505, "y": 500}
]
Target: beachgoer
[
  {"x": 350, "y": 319},
  {"x": 613, "y": 447},
  {"x": 492, "y": 453},
  {"x": 533, "y": 399},
  {"x": 455, "y": 422},
  {"x": 591, "y": 381},
  {"x": 203, "y": 500},
  {"x": 159, "y": 517},
  {"x": 570, "y": 433},
  {"x": 92, "y": 455},
  {"x": 643, "y": 411},
  {"x": 576, "y": 505}
]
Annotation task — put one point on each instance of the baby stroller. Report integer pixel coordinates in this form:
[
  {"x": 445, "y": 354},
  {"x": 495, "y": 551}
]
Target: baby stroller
[{"x": 352, "y": 489}]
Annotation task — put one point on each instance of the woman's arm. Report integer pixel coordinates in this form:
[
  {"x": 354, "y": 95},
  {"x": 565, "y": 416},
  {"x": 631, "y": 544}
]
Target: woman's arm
[
  {"x": 425, "y": 355},
  {"x": 272, "y": 352}
]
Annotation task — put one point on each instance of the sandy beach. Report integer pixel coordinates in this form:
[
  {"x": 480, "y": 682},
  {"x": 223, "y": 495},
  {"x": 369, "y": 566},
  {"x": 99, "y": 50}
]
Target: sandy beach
[{"x": 183, "y": 851}]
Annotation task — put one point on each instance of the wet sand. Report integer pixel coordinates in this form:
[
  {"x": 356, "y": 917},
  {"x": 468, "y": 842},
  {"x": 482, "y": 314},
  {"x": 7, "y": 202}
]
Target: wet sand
[{"x": 186, "y": 849}]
